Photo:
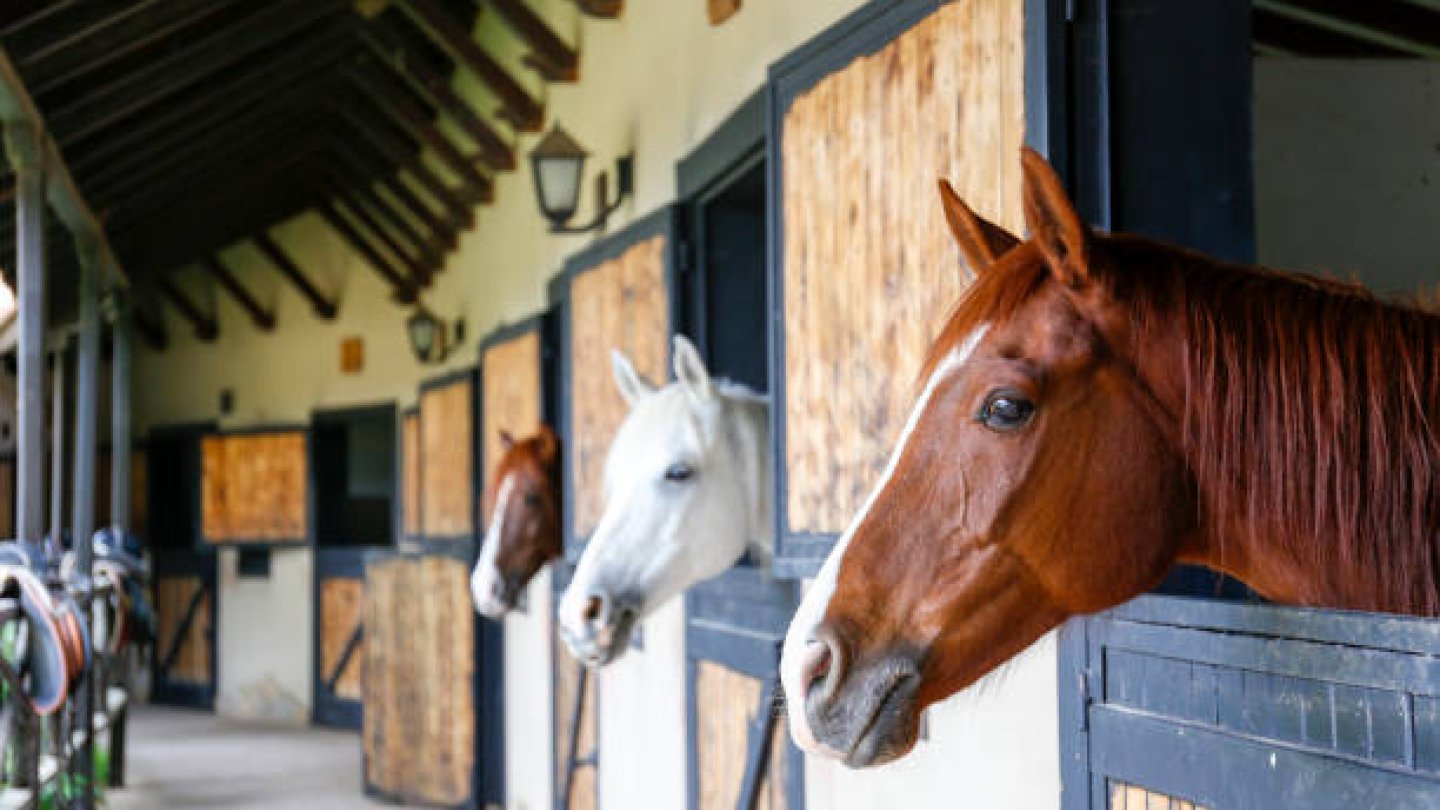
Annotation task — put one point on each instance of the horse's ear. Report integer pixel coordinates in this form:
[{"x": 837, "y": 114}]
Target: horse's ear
[
  {"x": 980, "y": 240},
  {"x": 548, "y": 444},
  {"x": 507, "y": 441},
  {"x": 1054, "y": 223},
  {"x": 690, "y": 370},
  {"x": 632, "y": 386}
]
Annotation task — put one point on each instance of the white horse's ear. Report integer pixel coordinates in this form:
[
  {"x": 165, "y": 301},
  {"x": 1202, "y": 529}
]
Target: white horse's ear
[
  {"x": 632, "y": 386},
  {"x": 690, "y": 369}
]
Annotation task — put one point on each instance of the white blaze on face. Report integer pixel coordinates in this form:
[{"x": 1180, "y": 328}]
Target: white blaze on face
[
  {"x": 817, "y": 597},
  {"x": 485, "y": 580}
]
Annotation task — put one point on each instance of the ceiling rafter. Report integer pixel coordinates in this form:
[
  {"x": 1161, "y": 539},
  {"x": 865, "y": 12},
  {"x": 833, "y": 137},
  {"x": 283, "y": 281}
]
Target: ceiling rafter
[
  {"x": 552, "y": 57},
  {"x": 324, "y": 306},
  {"x": 205, "y": 326},
  {"x": 262, "y": 317}
]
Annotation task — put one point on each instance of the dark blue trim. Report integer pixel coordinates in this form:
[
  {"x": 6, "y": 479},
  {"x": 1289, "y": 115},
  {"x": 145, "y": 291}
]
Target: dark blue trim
[
  {"x": 327, "y": 708},
  {"x": 187, "y": 563}
]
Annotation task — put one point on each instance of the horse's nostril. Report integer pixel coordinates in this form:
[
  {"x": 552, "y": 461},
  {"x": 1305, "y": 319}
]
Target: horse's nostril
[
  {"x": 822, "y": 665},
  {"x": 594, "y": 609}
]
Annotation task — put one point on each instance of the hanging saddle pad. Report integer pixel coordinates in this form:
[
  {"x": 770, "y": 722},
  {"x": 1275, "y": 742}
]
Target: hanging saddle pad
[{"x": 50, "y": 651}]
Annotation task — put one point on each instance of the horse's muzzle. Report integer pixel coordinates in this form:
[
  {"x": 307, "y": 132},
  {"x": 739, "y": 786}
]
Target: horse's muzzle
[
  {"x": 603, "y": 635},
  {"x": 864, "y": 714}
]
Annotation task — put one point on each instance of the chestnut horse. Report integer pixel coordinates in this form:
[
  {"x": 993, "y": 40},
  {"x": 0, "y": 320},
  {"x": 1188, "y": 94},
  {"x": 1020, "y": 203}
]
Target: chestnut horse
[
  {"x": 1097, "y": 409},
  {"x": 524, "y": 529}
]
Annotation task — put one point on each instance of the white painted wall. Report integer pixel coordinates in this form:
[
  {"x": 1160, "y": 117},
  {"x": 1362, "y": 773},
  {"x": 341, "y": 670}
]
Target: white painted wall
[
  {"x": 529, "y": 675},
  {"x": 264, "y": 651},
  {"x": 1347, "y": 169}
]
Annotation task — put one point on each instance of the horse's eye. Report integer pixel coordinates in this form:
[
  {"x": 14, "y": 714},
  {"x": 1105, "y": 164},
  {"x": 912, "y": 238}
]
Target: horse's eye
[
  {"x": 679, "y": 472},
  {"x": 532, "y": 500},
  {"x": 1006, "y": 411}
]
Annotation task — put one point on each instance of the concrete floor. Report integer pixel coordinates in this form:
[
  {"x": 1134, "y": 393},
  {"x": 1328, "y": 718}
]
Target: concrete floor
[{"x": 181, "y": 758}]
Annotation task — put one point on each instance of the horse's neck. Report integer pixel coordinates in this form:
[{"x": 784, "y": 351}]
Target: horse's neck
[{"x": 750, "y": 420}]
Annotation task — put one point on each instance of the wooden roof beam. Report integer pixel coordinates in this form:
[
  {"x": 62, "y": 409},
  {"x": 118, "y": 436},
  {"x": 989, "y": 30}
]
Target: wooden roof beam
[
  {"x": 361, "y": 185},
  {"x": 152, "y": 329},
  {"x": 206, "y": 328},
  {"x": 445, "y": 229},
  {"x": 264, "y": 319},
  {"x": 186, "y": 68},
  {"x": 324, "y": 306},
  {"x": 390, "y": 50},
  {"x": 385, "y": 140},
  {"x": 411, "y": 257},
  {"x": 602, "y": 9},
  {"x": 410, "y": 119},
  {"x": 552, "y": 57},
  {"x": 1363, "y": 21},
  {"x": 518, "y": 107},
  {"x": 405, "y": 291}
]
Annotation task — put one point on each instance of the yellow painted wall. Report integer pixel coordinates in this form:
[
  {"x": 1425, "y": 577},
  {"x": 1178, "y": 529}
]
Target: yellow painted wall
[{"x": 654, "y": 84}]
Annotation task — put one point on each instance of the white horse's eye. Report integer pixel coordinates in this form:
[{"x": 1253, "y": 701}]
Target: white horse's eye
[{"x": 679, "y": 472}]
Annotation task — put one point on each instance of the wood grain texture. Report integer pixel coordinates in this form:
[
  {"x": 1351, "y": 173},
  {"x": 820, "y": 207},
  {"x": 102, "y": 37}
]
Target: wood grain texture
[
  {"x": 446, "y": 448},
  {"x": 583, "y": 788},
  {"x": 721, "y": 10},
  {"x": 342, "y": 603},
  {"x": 1130, "y": 797},
  {"x": 172, "y": 599},
  {"x": 621, "y": 304},
  {"x": 410, "y": 504},
  {"x": 870, "y": 270},
  {"x": 254, "y": 488},
  {"x": 727, "y": 703},
  {"x": 510, "y": 398},
  {"x": 418, "y": 728}
]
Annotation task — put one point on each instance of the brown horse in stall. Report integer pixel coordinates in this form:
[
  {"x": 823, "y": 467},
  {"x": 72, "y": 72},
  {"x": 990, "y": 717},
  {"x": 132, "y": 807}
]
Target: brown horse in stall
[
  {"x": 524, "y": 529},
  {"x": 1098, "y": 409}
]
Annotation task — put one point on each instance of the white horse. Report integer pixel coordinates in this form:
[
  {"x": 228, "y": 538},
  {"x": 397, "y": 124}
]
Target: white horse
[{"x": 687, "y": 492}]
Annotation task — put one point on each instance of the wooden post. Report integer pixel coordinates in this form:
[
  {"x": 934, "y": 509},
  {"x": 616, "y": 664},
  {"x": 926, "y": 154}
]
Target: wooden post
[{"x": 82, "y": 519}]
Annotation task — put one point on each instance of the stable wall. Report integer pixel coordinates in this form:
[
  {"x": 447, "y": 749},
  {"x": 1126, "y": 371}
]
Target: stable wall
[{"x": 654, "y": 84}]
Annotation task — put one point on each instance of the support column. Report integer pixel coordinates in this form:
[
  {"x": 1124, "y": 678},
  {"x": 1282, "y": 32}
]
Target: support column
[
  {"x": 58, "y": 372},
  {"x": 82, "y": 521},
  {"x": 120, "y": 440},
  {"x": 23, "y": 146}
]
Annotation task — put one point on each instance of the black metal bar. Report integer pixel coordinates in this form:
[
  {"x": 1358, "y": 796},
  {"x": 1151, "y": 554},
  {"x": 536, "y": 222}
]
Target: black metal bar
[
  {"x": 168, "y": 660},
  {"x": 762, "y": 734},
  {"x": 206, "y": 328},
  {"x": 573, "y": 743},
  {"x": 263, "y": 318},
  {"x": 351, "y": 645},
  {"x": 520, "y": 109},
  {"x": 87, "y": 396},
  {"x": 324, "y": 307}
]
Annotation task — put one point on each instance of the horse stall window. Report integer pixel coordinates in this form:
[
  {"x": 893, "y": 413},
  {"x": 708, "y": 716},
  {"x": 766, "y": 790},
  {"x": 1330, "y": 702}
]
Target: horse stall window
[
  {"x": 1306, "y": 147},
  {"x": 184, "y": 592},
  {"x": 353, "y": 455},
  {"x": 863, "y": 120}
]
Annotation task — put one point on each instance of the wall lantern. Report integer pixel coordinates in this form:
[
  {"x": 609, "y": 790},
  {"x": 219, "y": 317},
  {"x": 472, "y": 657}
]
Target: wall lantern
[
  {"x": 427, "y": 336},
  {"x": 558, "y": 163}
]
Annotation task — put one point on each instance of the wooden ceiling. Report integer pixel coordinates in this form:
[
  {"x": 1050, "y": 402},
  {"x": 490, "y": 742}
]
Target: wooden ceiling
[
  {"x": 190, "y": 125},
  {"x": 1348, "y": 28}
]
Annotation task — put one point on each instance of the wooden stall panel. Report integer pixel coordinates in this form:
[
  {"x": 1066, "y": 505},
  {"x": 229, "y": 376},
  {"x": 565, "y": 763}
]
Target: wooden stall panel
[
  {"x": 621, "y": 304},
  {"x": 1130, "y": 797},
  {"x": 510, "y": 394},
  {"x": 410, "y": 483},
  {"x": 870, "y": 270},
  {"x": 173, "y": 596},
  {"x": 341, "y": 607},
  {"x": 727, "y": 703},
  {"x": 446, "y": 474},
  {"x": 583, "y": 795},
  {"x": 254, "y": 488},
  {"x": 418, "y": 729}
]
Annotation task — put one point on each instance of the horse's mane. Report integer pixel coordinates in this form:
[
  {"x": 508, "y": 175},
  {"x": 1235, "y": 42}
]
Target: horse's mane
[{"x": 1309, "y": 412}]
